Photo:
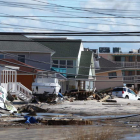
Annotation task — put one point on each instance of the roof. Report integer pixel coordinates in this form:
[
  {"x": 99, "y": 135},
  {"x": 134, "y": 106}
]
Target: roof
[
  {"x": 107, "y": 65},
  {"x": 23, "y": 68},
  {"x": 63, "y": 48},
  {"x": 21, "y": 45},
  {"x": 85, "y": 61}
]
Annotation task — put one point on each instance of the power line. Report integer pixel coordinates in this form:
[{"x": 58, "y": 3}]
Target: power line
[
  {"x": 10, "y": 54},
  {"x": 73, "y": 17},
  {"x": 37, "y": 61},
  {"x": 67, "y": 73},
  {"x": 70, "y": 41},
  {"x": 42, "y": 20},
  {"x": 136, "y": 33}
]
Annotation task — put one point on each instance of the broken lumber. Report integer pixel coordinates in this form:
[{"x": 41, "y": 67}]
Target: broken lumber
[
  {"x": 105, "y": 98},
  {"x": 110, "y": 100}
]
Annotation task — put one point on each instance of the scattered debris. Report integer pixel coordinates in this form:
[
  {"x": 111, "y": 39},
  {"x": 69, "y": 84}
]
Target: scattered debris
[
  {"x": 80, "y": 95},
  {"x": 135, "y": 126},
  {"x": 105, "y": 98},
  {"x": 31, "y": 109},
  {"x": 68, "y": 122},
  {"x": 110, "y": 100},
  {"x": 71, "y": 99},
  {"x": 30, "y": 119},
  {"x": 10, "y": 107},
  {"x": 111, "y": 104}
]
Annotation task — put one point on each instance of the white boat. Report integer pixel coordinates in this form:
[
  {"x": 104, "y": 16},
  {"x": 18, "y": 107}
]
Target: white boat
[{"x": 45, "y": 85}]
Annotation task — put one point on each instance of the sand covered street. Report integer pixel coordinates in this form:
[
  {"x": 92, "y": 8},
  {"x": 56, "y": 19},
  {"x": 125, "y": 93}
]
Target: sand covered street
[{"x": 93, "y": 107}]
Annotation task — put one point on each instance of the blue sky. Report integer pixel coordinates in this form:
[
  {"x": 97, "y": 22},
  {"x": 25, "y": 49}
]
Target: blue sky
[{"x": 66, "y": 8}]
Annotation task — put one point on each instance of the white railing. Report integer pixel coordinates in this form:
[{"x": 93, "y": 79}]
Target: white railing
[
  {"x": 137, "y": 78},
  {"x": 126, "y": 64},
  {"x": 131, "y": 79},
  {"x": 25, "y": 91},
  {"x": 138, "y": 64}
]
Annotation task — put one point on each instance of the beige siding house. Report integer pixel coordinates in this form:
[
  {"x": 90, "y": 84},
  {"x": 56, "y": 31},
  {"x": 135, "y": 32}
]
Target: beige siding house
[{"x": 108, "y": 75}]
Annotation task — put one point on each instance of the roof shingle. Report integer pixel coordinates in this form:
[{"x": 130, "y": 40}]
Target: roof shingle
[
  {"x": 15, "y": 46},
  {"x": 63, "y": 48},
  {"x": 107, "y": 65},
  {"x": 85, "y": 63},
  {"x": 24, "y": 68}
]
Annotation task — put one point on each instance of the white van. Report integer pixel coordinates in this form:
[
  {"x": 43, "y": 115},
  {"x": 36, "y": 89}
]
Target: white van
[{"x": 124, "y": 92}]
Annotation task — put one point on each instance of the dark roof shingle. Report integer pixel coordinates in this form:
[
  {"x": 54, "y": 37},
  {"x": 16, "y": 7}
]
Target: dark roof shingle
[
  {"x": 107, "y": 65},
  {"x": 63, "y": 47},
  {"x": 17, "y": 46},
  {"x": 85, "y": 63}
]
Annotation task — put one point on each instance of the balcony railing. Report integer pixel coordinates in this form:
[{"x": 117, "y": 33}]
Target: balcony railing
[
  {"x": 128, "y": 64},
  {"x": 132, "y": 79}
]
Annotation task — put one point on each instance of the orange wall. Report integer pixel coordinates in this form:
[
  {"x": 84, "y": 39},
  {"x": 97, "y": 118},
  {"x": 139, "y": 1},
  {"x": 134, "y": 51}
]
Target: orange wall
[
  {"x": 26, "y": 80},
  {"x": 108, "y": 82}
]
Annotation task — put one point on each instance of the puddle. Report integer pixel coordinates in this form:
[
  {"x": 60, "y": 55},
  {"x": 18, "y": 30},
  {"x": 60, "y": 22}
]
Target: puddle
[
  {"x": 43, "y": 114},
  {"x": 59, "y": 115},
  {"x": 108, "y": 117},
  {"x": 132, "y": 137}
]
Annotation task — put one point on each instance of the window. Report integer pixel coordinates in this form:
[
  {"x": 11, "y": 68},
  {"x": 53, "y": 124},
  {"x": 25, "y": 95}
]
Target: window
[
  {"x": 119, "y": 89},
  {"x": 1, "y": 56},
  {"x": 21, "y": 58},
  {"x": 69, "y": 63},
  {"x": 62, "y": 63},
  {"x": 55, "y": 62},
  {"x": 130, "y": 58},
  {"x": 129, "y": 90},
  {"x": 117, "y": 58},
  {"x": 112, "y": 75},
  {"x": 130, "y": 73}
]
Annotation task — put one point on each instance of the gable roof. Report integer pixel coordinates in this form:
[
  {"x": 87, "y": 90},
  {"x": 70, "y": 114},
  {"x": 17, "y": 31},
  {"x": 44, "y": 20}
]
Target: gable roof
[
  {"x": 85, "y": 63},
  {"x": 107, "y": 65},
  {"x": 23, "y": 68},
  {"x": 63, "y": 47},
  {"x": 23, "y": 46}
]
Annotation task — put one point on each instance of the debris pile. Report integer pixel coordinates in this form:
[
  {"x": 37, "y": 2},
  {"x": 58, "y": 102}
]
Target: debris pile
[{"x": 31, "y": 109}]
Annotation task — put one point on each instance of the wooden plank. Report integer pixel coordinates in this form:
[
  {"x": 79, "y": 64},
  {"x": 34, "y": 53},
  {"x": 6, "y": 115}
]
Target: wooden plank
[{"x": 105, "y": 98}]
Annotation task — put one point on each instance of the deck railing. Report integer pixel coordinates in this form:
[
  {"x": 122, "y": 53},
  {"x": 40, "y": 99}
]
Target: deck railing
[
  {"x": 128, "y": 64},
  {"x": 132, "y": 79}
]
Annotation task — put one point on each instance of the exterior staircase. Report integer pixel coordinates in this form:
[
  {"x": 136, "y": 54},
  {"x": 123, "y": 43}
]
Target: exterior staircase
[
  {"x": 16, "y": 88},
  {"x": 8, "y": 79},
  {"x": 23, "y": 93}
]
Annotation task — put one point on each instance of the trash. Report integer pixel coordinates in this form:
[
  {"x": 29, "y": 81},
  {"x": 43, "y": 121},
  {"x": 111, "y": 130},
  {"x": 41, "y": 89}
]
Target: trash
[
  {"x": 30, "y": 119},
  {"x": 105, "y": 98},
  {"x": 134, "y": 126},
  {"x": 60, "y": 95},
  {"x": 4, "y": 103},
  {"x": 31, "y": 109},
  {"x": 126, "y": 122},
  {"x": 110, "y": 100},
  {"x": 10, "y": 107},
  {"x": 71, "y": 100},
  {"x": 111, "y": 104}
]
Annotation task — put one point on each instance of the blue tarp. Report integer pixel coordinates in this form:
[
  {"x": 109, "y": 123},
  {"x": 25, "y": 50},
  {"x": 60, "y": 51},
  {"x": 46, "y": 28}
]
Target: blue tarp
[
  {"x": 30, "y": 119},
  {"x": 60, "y": 95}
]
